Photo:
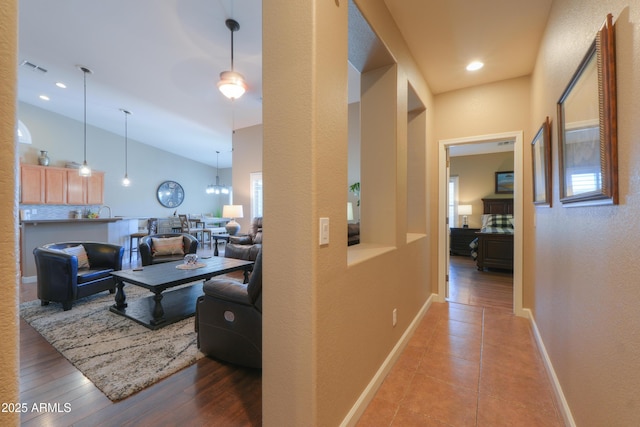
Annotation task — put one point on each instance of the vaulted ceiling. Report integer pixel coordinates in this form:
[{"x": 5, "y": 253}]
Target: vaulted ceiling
[{"x": 161, "y": 60}]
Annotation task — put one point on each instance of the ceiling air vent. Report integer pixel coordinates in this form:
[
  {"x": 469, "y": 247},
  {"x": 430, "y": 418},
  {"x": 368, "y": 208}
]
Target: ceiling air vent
[{"x": 33, "y": 66}]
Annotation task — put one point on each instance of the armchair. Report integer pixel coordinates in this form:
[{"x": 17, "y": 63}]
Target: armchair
[
  {"x": 82, "y": 271},
  {"x": 246, "y": 246},
  {"x": 175, "y": 251},
  {"x": 229, "y": 319}
]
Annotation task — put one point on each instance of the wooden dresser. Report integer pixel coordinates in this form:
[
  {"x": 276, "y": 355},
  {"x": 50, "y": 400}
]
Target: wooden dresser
[{"x": 460, "y": 239}]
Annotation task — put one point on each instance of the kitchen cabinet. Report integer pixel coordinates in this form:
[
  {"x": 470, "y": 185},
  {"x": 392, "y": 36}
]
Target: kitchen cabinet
[
  {"x": 85, "y": 190},
  {"x": 55, "y": 186},
  {"x": 32, "y": 184},
  {"x": 59, "y": 186}
]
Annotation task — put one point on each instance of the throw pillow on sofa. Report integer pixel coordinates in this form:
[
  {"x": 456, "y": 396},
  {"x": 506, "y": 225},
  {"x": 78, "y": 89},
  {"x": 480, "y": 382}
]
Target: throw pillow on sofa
[
  {"x": 167, "y": 246},
  {"x": 80, "y": 253}
]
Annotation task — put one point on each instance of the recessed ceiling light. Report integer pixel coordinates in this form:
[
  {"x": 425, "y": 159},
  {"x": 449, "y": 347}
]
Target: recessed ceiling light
[
  {"x": 44, "y": 97},
  {"x": 61, "y": 85},
  {"x": 474, "y": 66}
]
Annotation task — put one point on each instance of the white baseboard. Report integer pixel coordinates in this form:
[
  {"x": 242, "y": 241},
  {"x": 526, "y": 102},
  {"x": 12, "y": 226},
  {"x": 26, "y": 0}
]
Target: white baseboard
[
  {"x": 565, "y": 411},
  {"x": 370, "y": 391}
]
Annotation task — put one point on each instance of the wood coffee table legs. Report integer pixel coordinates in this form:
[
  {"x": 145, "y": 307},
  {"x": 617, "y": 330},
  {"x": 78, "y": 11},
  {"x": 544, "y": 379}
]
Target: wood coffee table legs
[
  {"x": 158, "y": 311},
  {"x": 120, "y": 297}
]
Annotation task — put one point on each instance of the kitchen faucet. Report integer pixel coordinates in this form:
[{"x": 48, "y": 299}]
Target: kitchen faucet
[{"x": 105, "y": 206}]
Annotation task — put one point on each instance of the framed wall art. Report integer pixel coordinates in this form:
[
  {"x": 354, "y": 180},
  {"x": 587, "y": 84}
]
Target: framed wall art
[
  {"x": 587, "y": 138},
  {"x": 541, "y": 155},
  {"x": 504, "y": 182}
]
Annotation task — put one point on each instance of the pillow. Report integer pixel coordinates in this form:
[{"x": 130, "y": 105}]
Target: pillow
[
  {"x": 80, "y": 253},
  {"x": 167, "y": 246},
  {"x": 499, "y": 220}
]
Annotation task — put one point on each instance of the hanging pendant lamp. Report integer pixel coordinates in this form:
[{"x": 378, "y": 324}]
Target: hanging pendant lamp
[
  {"x": 232, "y": 84},
  {"x": 125, "y": 181},
  {"x": 85, "y": 170},
  {"x": 217, "y": 188}
]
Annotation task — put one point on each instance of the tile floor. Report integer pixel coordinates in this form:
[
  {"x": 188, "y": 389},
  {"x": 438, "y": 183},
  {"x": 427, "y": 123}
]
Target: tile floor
[{"x": 466, "y": 366}]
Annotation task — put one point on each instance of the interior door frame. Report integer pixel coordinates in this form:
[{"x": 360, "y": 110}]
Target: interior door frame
[{"x": 443, "y": 235}]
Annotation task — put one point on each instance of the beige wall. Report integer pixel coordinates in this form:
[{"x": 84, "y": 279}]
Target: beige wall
[
  {"x": 9, "y": 389},
  {"x": 327, "y": 325},
  {"x": 476, "y": 180},
  {"x": 586, "y": 289}
]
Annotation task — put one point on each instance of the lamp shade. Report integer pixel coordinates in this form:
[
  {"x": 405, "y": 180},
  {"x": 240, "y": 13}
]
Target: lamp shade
[
  {"x": 232, "y": 84},
  {"x": 232, "y": 211},
  {"x": 349, "y": 211},
  {"x": 465, "y": 209}
]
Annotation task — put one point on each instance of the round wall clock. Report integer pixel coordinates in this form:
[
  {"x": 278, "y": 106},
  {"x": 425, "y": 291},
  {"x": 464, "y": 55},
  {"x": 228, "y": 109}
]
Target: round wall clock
[{"x": 170, "y": 194}]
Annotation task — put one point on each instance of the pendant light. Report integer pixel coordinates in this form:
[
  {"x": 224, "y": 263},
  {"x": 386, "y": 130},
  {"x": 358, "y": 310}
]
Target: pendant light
[
  {"x": 85, "y": 170},
  {"x": 125, "y": 180},
  {"x": 217, "y": 188},
  {"x": 232, "y": 84}
]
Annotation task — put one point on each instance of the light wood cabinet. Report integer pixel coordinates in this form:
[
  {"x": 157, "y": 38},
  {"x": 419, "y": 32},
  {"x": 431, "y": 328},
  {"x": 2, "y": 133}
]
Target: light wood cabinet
[
  {"x": 55, "y": 186},
  {"x": 59, "y": 186},
  {"x": 85, "y": 191},
  {"x": 32, "y": 184},
  {"x": 95, "y": 189}
]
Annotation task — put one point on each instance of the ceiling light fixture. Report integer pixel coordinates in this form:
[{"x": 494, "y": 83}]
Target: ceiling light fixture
[
  {"x": 475, "y": 66},
  {"x": 232, "y": 84},
  {"x": 85, "y": 170},
  {"x": 217, "y": 188},
  {"x": 125, "y": 181}
]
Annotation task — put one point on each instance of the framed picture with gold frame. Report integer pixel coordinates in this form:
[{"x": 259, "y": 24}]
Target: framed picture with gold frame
[
  {"x": 587, "y": 123},
  {"x": 541, "y": 156}
]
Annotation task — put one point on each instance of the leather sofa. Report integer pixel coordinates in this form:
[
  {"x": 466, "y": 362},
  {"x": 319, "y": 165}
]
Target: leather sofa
[
  {"x": 60, "y": 279},
  {"x": 353, "y": 234},
  {"x": 229, "y": 319},
  {"x": 150, "y": 255},
  {"x": 246, "y": 246}
]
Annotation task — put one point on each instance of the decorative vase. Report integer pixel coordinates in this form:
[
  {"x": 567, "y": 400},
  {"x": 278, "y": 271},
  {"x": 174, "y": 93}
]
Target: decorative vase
[{"x": 43, "y": 159}]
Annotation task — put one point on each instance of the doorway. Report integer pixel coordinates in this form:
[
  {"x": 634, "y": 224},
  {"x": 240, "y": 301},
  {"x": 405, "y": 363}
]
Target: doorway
[{"x": 443, "y": 232}]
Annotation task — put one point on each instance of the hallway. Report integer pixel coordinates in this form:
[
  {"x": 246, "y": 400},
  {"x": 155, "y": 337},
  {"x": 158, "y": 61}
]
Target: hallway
[{"x": 467, "y": 366}]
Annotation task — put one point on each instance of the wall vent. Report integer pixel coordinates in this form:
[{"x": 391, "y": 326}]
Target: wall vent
[{"x": 33, "y": 66}]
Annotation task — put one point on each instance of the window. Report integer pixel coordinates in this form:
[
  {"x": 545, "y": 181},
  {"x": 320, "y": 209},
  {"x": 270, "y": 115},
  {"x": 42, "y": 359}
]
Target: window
[
  {"x": 453, "y": 202},
  {"x": 256, "y": 194}
]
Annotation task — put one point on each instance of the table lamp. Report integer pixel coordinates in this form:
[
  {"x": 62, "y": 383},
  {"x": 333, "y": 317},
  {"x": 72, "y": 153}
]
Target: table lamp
[
  {"x": 465, "y": 211},
  {"x": 233, "y": 212},
  {"x": 349, "y": 211}
]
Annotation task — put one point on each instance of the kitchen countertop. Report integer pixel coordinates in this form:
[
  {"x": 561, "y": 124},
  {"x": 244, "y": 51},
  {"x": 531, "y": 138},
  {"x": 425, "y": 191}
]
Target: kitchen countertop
[{"x": 71, "y": 220}]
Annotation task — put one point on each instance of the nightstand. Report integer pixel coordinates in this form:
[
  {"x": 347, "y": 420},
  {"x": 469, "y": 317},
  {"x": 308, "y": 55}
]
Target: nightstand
[{"x": 460, "y": 239}]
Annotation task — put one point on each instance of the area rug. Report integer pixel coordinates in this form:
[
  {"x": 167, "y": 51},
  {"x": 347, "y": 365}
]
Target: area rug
[{"x": 116, "y": 354}]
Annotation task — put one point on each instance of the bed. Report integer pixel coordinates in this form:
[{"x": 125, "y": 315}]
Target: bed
[{"x": 493, "y": 248}]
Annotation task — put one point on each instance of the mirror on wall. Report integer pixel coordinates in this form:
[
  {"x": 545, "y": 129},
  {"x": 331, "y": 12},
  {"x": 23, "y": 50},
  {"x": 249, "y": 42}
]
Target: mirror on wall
[{"x": 587, "y": 138}]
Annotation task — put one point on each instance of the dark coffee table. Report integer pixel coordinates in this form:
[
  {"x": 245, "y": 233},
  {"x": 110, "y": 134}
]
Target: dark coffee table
[{"x": 164, "y": 308}]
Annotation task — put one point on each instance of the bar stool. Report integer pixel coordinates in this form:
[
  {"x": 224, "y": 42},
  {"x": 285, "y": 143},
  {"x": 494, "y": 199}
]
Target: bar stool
[{"x": 152, "y": 228}]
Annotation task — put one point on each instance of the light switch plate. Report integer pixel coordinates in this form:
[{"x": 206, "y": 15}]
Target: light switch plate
[{"x": 324, "y": 231}]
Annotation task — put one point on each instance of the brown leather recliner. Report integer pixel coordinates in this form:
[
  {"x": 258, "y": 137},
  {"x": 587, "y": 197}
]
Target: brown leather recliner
[
  {"x": 246, "y": 246},
  {"x": 150, "y": 256},
  {"x": 60, "y": 279},
  {"x": 229, "y": 319}
]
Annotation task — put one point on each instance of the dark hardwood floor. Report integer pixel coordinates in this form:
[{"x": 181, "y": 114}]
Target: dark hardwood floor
[
  {"x": 489, "y": 288},
  {"x": 206, "y": 393}
]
